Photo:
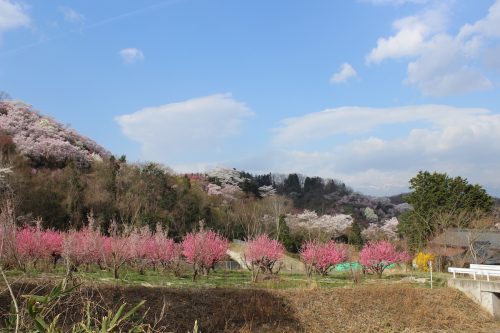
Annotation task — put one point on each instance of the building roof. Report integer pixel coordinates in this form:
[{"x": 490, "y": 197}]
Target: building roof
[{"x": 463, "y": 237}]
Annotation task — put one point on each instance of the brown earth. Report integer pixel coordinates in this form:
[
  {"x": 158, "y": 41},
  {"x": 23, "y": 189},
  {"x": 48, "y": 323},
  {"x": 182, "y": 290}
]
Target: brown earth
[{"x": 370, "y": 308}]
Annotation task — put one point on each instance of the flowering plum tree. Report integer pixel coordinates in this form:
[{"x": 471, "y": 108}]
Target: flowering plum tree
[
  {"x": 377, "y": 256},
  {"x": 167, "y": 253},
  {"x": 334, "y": 225},
  {"x": 143, "y": 247},
  {"x": 28, "y": 246},
  {"x": 387, "y": 231},
  {"x": 83, "y": 247},
  {"x": 117, "y": 249},
  {"x": 203, "y": 250},
  {"x": 320, "y": 257},
  {"x": 52, "y": 244},
  {"x": 262, "y": 254},
  {"x": 34, "y": 244}
]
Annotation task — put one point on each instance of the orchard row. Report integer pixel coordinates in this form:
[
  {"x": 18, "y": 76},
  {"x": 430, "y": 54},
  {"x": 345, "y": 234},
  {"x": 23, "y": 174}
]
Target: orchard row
[{"x": 142, "y": 249}]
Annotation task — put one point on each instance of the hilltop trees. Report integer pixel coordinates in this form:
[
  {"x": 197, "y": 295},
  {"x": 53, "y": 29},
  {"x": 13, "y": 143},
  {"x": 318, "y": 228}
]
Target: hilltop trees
[
  {"x": 435, "y": 194},
  {"x": 45, "y": 141}
]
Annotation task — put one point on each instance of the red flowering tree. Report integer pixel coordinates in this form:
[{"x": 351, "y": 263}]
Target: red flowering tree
[
  {"x": 320, "y": 257},
  {"x": 52, "y": 245},
  {"x": 203, "y": 250},
  {"x": 262, "y": 254},
  {"x": 29, "y": 247},
  {"x": 377, "y": 256}
]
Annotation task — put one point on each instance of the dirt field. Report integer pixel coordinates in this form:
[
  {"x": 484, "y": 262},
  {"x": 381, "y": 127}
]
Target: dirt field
[{"x": 373, "y": 308}]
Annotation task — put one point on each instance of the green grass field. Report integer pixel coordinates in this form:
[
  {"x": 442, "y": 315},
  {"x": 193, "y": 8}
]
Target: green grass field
[{"x": 222, "y": 278}]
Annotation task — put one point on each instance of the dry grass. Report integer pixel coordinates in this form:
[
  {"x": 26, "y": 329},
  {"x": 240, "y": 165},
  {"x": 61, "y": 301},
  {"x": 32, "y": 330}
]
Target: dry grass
[
  {"x": 367, "y": 308},
  {"x": 389, "y": 308}
]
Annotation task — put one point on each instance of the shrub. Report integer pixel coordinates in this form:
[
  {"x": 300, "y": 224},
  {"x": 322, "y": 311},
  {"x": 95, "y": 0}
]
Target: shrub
[{"x": 422, "y": 261}]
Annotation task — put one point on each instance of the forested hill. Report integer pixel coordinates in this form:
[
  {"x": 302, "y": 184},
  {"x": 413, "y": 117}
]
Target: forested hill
[
  {"x": 61, "y": 176},
  {"x": 43, "y": 140},
  {"x": 324, "y": 196}
]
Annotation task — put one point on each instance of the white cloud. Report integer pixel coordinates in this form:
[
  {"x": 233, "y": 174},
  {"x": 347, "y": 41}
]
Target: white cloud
[
  {"x": 443, "y": 69},
  {"x": 12, "y": 16},
  {"x": 185, "y": 132},
  {"x": 435, "y": 137},
  {"x": 72, "y": 16},
  {"x": 491, "y": 58},
  {"x": 411, "y": 34},
  {"x": 131, "y": 55},
  {"x": 487, "y": 27},
  {"x": 442, "y": 64},
  {"x": 346, "y": 72}
]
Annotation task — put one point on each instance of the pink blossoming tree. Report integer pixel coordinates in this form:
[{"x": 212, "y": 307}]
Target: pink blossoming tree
[
  {"x": 262, "y": 254},
  {"x": 320, "y": 257},
  {"x": 203, "y": 250},
  {"x": 377, "y": 256},
  {"x": 117, "y": 250}
]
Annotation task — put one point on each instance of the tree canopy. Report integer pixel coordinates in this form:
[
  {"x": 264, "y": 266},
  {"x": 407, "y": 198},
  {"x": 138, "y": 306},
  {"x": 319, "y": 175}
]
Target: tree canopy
[{"x": 435, "y": 194}]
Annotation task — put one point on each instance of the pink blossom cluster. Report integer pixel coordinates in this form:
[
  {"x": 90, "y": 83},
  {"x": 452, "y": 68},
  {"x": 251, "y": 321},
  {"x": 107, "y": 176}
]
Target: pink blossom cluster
[
  {"x": 83, "y": 247},
  {"x": 320, "y": 257},
  {"x": 203, "y": 250},
  {"x": 43, "y": 139},
  {"x": 34, "y": 244},
  {"x": 377, "y": 256},
  {"x": 155, "y": 249},
  {"x": 87, "y": 246},
  {"x": 262, "y": 253}
]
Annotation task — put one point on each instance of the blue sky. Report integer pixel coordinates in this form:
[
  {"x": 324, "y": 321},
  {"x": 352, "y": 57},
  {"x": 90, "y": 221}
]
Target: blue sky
[{"x": 368, "y": 91}]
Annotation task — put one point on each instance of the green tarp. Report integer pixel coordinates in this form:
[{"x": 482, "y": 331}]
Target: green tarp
[{"x": 347, "y": 266}]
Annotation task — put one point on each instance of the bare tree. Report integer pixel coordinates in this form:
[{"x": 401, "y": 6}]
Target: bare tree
[{"x": 278, "y": 206}]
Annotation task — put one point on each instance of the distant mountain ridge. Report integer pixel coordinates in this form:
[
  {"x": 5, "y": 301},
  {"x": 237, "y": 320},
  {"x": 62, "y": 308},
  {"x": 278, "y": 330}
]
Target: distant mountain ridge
[{"x": 43, "y": 140}]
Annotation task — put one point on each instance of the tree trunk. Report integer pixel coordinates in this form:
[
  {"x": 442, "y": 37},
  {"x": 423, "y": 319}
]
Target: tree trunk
[{"x": 195, "y": 272}]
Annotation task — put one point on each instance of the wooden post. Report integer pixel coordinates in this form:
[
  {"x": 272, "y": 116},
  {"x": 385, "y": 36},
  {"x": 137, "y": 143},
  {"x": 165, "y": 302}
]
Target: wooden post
[{"x": 430, "y": 266}]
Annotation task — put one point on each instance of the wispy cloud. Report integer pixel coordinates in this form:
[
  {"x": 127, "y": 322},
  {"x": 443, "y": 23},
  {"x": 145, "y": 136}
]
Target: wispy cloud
[
  {"x": 88, "y": 26},
  {"x": 395, "y": 2},
  {"x": 13, "y": 15},
  {"x": 131, "y": 55},
  {"x": 345, "y": 73},
  {"x": 72, "y": 16}
]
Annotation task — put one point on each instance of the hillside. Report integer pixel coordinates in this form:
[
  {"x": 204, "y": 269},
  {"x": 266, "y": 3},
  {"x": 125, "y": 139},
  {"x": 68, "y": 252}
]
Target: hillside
[
  {"x": 62, "y": 171},
  {"x": 46, "y": 142},
  {"x": 43, "y": 140},
  {"x": 234, "y": 202}
]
